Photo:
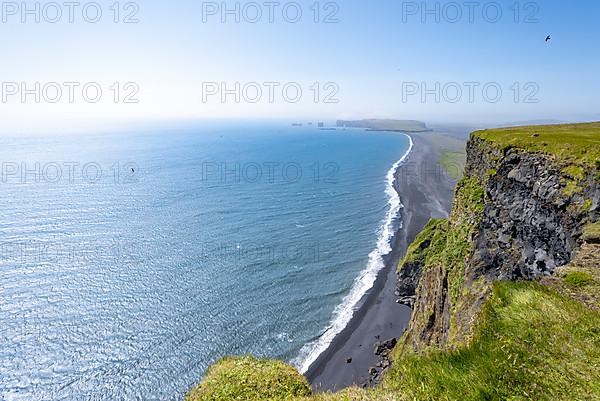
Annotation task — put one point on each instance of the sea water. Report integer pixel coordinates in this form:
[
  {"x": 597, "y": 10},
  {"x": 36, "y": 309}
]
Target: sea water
[{"x": 131, "y": 261}]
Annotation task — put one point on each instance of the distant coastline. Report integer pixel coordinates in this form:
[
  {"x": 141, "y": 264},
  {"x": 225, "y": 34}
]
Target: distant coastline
[{"x": 389, "y": 125}]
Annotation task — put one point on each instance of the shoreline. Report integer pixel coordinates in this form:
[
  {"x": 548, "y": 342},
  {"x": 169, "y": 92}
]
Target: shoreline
[
  {"x": 377, "y": 315},
  {"x": 344, "y": 312}
]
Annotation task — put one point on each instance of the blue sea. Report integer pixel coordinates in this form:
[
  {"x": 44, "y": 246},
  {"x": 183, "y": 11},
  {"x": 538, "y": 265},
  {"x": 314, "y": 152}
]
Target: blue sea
[{"x": 131, "y": 261}]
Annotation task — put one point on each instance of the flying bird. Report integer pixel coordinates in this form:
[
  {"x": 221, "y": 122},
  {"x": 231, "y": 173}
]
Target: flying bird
[{"x": 548, "y": 38}]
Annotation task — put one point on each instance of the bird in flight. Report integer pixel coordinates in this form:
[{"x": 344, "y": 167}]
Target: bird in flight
[{"x": 548, "y": 38}]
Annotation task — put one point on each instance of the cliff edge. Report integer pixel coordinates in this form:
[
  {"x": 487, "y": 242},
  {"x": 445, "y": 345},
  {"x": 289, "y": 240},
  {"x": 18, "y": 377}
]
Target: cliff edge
[{"x": 519, "y": 214}]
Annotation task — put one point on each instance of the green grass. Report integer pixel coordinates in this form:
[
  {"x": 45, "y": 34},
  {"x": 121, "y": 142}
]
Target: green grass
[
  {"x": 575, "y": 172},
  {"x": 577, "y": 144},
  {"x": 453, "y": 163},
  {"x": 531, "y": 344},
  {"x": 431, "y": 240},
  {"x": 249, "y": 378},
  {"x": 578, "y": 279},
  {"x": 466, "y": 214}
]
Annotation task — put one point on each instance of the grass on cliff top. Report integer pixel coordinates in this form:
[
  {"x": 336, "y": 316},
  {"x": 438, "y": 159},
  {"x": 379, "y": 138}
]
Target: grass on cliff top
[
  {"x": 572, "y": 143},
  {"x": 249, "y": 378},
  {"x": 531, "y": 343}
]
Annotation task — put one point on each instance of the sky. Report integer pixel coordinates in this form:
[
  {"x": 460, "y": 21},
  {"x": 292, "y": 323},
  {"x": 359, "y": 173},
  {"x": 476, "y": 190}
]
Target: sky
[{"x": 476, "y": 62}]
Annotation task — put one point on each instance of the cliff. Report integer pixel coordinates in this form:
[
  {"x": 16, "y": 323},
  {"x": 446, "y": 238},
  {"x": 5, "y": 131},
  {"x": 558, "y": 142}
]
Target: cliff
[
  {"x": 505, "y": 293},
  {"x": 519, "y": 213}
]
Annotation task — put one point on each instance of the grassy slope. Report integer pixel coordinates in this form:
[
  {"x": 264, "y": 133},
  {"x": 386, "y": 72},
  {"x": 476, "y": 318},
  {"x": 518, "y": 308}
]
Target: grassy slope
[
  {"x": 532, "y": 343},
  {"x": 429, "y": 241},
  {"x": 249, "y": 378},
  {"x": 581, "y": 278},
  {"x": 573, "y": 144}
]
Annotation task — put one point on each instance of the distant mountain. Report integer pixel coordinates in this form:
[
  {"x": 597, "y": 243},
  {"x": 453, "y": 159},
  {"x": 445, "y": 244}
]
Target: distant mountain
[{"x": 386, "y": 125}]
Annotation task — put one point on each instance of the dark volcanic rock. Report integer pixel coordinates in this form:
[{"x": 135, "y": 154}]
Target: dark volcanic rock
[
  {"x": 382, "y": 350},
  {"x": 530, "y": 225},
  {"x": 408, "y": 279}
]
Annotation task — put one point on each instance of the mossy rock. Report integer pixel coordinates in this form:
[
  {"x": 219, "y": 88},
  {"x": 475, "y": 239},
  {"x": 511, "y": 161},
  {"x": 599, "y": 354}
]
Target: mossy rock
[
  {"x": 249, "y": 378},
  {"x": 591, "y": 233}
]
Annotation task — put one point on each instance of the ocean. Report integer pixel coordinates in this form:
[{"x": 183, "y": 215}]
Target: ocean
[{"x": 129, "y": 262}]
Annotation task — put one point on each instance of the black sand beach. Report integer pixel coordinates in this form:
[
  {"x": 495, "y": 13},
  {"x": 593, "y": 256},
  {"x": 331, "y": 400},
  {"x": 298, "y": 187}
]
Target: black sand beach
[{"x": 424, "y": 195}]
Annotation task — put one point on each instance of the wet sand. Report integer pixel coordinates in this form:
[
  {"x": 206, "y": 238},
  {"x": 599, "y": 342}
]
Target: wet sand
[{"x": 424, "y": 195}]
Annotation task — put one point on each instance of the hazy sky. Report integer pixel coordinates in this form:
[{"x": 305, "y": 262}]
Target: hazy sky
[{"x": 375, "y": 61}]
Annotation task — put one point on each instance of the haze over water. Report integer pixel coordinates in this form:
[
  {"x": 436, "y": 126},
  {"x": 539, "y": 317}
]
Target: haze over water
[{"x": 128, "y": 284}]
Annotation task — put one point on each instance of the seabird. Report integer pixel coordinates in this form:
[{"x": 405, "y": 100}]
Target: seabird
[{"x": 548, "y": 38}]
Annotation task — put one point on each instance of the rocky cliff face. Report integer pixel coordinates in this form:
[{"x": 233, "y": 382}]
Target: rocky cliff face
[
  {"x": 517, "y": 214},
  {"x": 533, "y": 220}
]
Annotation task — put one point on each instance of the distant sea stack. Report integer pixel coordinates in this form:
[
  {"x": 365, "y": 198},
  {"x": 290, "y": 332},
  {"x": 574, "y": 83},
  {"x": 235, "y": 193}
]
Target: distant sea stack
[{"x": 385, "y": 125}]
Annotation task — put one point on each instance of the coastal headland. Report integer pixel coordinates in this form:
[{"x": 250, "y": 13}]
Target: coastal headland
[{"x": 389, "y": 125}]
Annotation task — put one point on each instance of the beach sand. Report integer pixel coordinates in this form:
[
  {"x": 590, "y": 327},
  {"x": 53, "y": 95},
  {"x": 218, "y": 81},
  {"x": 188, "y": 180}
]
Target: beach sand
[{"x": 424, "y": 195}]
